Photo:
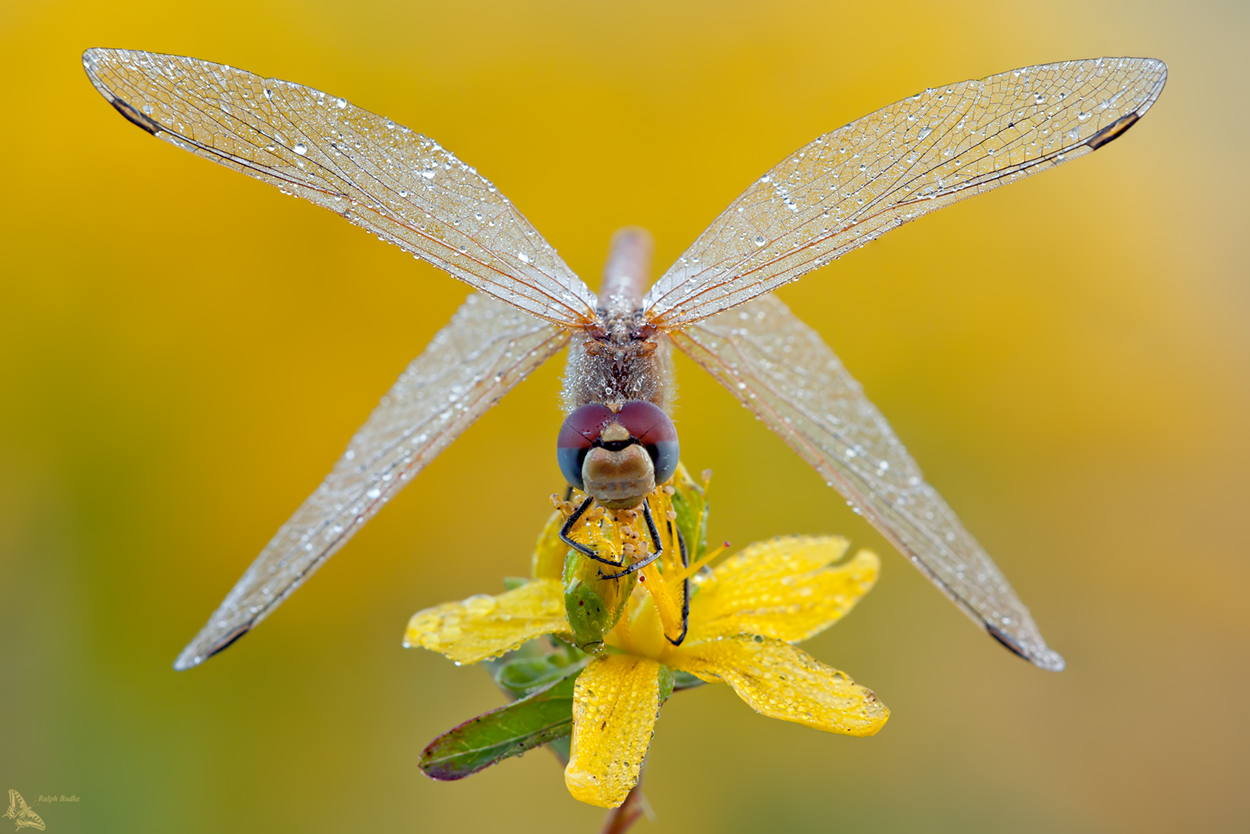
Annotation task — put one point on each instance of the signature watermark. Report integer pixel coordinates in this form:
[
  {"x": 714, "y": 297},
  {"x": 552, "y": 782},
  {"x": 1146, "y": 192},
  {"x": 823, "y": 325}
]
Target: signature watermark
[{"x": 23, "y": 813}]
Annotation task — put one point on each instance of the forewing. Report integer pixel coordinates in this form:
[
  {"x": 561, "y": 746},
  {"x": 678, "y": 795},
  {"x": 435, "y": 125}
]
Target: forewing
[
  {"x": 781, "y": 369},
  {"x": 486, "y": 349},
  {"x": 397, "y": 184},
  {"x": 895, "y": 165}
]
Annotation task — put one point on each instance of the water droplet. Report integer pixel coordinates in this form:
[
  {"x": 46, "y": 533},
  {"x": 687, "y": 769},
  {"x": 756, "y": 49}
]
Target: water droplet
[
  {"x": 759, "y": 240},
  {"x": 480, "y": 604},
  {"x": 300, "y": 148},
  {"x": 341, "y": 103}
]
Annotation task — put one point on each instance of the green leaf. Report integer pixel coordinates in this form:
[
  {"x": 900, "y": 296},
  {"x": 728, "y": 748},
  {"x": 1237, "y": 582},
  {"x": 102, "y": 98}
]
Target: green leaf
[
  {"x": 536, "y": 719},
  {"x": 524, "y": 675}
]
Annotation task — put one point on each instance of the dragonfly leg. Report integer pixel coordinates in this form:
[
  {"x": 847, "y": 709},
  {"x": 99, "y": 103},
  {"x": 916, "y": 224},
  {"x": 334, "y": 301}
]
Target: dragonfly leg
[
  {"x": 685, "y": 588},
  {"x": 578, "y": 546},
  {"x": 655, "y": 541},
  {"x": 639, "y": 565}
]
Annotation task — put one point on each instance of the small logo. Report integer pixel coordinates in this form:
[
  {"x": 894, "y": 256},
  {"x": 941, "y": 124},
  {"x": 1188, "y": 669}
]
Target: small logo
[{"x": 21, "y": 812}]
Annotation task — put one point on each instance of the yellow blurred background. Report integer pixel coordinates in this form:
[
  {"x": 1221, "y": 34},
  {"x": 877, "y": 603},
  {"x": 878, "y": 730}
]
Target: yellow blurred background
[{"x": 186, "y": 351}]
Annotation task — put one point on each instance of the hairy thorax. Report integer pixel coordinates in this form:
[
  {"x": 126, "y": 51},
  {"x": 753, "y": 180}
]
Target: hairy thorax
[{"x": 619, "y": 361}]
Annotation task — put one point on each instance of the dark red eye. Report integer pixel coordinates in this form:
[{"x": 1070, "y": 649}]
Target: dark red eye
[
  {"x": 579, "y": 432},
  {"x": 646, "y": 423},
  {"x": 652, "y": 428}
]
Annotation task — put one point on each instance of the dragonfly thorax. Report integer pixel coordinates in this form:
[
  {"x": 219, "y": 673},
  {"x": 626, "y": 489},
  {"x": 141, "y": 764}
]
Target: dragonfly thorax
[{"x": 616, "y": 362}]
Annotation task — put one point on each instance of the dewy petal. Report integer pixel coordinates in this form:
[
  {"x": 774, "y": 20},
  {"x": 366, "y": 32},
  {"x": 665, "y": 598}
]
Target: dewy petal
[
  {"x": 549, "y": 550},
  {"x": 783, "y": 588},
  {"x": 615, "y": 703},
  {"x": 781, "y": 681},
  {"x": 484, "y": 626}
]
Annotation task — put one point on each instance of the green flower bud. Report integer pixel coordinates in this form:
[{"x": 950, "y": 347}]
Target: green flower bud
[{"x": 593, "y": 604}]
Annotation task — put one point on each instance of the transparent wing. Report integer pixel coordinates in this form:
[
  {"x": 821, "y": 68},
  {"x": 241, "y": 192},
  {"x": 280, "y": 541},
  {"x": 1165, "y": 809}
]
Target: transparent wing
[
  {"x": 895, "y": 165},
  {"x": 486, "y": 349},
  {"x": 397, "y": 184},
  {"x": 779, "y": 368}
]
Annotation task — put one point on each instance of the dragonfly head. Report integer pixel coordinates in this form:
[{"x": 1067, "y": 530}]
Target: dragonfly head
[{"x": 617, "y": 456}]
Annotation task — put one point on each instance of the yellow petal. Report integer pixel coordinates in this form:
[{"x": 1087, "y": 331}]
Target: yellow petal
[
  {"x": 615, "y": 703},
  {"x": 549, "y": 550},
  {"x": 667, "y": 596},
  {"x": 782, "y": 588},
  {"x": 484, "y": 626},
  {"x": 781, "y": 681}
]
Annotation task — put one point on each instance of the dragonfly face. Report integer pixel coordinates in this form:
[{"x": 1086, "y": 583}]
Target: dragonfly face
[
  {"x": 617, "y": 456},
  {"x": 842, "y": 190}
]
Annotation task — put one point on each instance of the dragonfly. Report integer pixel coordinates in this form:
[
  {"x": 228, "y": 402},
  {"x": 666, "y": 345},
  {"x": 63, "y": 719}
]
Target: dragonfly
[{"x": 715, "y": 304}]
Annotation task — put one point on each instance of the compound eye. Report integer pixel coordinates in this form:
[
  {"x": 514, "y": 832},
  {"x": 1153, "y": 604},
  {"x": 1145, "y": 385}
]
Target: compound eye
[
  {"x": 578, "y": 433},
  {"x": 655, "y": 432}
]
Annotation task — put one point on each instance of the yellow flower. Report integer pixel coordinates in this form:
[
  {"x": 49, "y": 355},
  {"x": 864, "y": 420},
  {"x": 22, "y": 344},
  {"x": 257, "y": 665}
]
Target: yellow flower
[{"x": 745, "y": 614}]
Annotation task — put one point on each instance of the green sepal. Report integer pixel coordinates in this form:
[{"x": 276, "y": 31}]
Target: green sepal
[
  {"x": 539, "y": 718},
  {"x": 684, "y": 680},
  {"x": 692, "y": 514},
  {"x": 666, "y": 683},
  {"x": 511, "y": 583}
]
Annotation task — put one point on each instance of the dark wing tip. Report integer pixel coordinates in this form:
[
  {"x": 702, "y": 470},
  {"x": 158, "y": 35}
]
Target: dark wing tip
[
  {"x": 1119, "y": 127},
  {"x": 1043, "y": 659},
  {"x": 1002, "y": 637},
  {"x": 1112, "y": 131},
  {"x": 189, "y": 660},
  {"x": 91, "y": 60},
  {"x": 134, "y": 116}
]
